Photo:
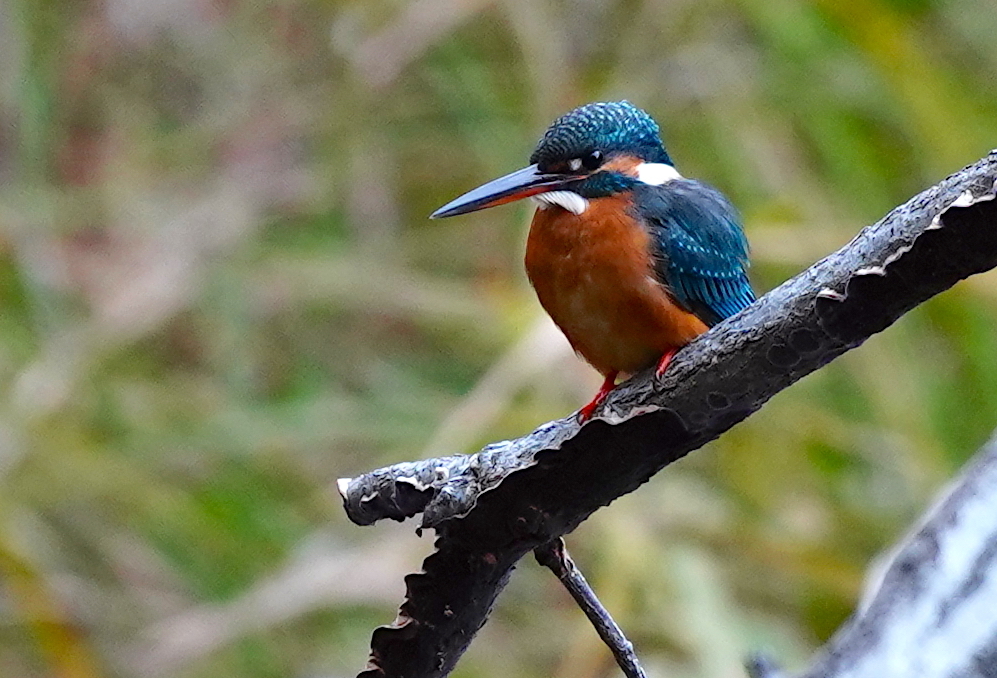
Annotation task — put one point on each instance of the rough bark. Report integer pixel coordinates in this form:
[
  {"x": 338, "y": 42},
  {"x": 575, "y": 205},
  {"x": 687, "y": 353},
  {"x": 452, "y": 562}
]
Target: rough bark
[{"x": 491, "y": 508}]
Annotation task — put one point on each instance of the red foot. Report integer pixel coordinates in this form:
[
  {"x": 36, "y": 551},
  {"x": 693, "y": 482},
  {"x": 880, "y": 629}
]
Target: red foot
[
  {"x": 608, "y": 385},
  {"x": 664, "y": 362}
]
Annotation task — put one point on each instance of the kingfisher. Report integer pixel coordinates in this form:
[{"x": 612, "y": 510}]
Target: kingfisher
[{"x": 630, "y": 260}]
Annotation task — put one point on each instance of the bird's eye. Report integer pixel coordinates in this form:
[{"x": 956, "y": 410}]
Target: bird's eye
[{"x": 592, "y": 161}]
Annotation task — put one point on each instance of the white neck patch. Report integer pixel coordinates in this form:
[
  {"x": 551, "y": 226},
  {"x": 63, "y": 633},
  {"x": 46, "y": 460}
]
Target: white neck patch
[
  {"x": 569, "y": 200},
  {"x": 656, "y": 173}
]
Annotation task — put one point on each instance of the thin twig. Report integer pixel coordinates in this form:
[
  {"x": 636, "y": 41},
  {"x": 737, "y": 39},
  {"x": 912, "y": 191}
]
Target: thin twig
[{"x": 554, "y": 556}]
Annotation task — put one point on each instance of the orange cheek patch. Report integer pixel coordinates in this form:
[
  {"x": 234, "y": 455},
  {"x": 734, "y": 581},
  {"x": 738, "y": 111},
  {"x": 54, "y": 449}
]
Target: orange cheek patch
[{"x": 624, "y": 164}]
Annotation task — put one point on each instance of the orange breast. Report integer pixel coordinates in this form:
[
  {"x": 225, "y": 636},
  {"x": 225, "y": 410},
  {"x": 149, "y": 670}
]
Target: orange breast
[{"x": 593, "y": 274}]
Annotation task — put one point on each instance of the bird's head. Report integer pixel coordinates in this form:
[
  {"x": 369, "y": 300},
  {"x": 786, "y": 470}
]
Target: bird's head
[{"x": 594, "y": 151}]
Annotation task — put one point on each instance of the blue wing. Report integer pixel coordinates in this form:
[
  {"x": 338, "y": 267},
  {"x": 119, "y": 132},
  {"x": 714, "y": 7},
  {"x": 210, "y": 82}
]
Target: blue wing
[{"x": 699, "y": 249}]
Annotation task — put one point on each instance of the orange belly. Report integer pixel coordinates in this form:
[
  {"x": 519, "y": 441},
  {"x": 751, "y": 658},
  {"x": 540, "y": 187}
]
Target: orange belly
[{"x": 594, "y": 275}]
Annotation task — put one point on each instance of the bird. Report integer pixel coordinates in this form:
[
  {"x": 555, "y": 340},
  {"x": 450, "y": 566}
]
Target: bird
[{"x": 631, "y": 260}]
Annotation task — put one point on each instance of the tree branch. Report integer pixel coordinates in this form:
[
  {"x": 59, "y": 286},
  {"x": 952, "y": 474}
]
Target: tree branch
[
  {"x": 929, "y": 609},
  {"x": 491, "y": 508}
]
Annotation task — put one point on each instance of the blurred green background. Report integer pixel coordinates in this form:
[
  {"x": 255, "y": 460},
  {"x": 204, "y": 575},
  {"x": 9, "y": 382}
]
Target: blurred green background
[{"x": 219, "y": 291}]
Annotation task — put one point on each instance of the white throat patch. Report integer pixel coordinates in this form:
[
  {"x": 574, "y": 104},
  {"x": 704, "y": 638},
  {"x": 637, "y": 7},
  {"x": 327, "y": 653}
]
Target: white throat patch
[
  {"x": 656, "y": 173},
  {"x": 569, "y": 200},
  {"x": 651, "y": 173}
]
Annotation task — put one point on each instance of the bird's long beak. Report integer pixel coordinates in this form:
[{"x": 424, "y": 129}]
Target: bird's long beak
[{"x": 515, "y": 186}]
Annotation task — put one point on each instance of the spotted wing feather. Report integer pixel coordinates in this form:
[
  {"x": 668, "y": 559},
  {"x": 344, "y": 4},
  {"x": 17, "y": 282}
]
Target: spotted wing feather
[{"x": 699, "y": 249}]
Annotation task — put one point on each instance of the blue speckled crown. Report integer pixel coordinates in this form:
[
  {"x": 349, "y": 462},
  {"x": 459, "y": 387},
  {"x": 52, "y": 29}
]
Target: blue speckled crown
[{"x": 615, "y": 126}]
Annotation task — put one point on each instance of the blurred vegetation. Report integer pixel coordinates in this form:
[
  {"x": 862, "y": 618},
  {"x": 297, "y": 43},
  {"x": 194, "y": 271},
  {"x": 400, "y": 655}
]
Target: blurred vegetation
[{"x": 220, "y": 292}]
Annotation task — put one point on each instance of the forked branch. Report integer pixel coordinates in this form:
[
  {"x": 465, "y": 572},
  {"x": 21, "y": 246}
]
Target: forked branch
[{"x": 491, "y": 508}]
